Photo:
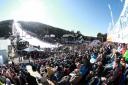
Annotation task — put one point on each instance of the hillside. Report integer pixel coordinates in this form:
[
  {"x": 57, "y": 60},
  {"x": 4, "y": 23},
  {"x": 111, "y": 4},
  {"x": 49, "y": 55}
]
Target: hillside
[
  {"x": 5, "y": 28},
  {"x": 35, "y": 28},
  {"x": 42, "y": 29},
  {"x": 38, "y": 29}
]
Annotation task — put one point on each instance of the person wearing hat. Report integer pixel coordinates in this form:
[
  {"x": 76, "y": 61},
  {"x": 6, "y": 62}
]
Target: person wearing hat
[
  {"x": 93, "y": 59},
  {"x": 123, "y": 50},
  {"x": 123, "y": 63}
]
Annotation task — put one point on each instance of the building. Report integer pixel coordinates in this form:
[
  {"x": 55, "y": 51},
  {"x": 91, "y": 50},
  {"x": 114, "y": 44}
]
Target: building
[
  {"x": 69, "y": 38},
  {"x": 4, "y": 43}
]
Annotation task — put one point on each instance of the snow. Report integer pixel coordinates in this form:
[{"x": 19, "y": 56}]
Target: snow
[{"x": 17, "y": 30}]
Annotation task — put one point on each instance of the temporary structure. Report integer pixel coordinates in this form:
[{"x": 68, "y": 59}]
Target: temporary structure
[{"x": 118, "y": 32}]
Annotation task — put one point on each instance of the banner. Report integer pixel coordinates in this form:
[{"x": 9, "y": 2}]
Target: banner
[{"x": 119, "y": 32}]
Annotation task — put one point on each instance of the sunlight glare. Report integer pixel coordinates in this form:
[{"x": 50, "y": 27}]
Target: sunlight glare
[{"x": 31, "y": 10}]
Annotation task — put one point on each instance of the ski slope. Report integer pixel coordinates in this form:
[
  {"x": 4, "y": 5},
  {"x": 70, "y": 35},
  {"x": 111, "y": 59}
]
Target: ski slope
[{"x": 17, "y": 30}]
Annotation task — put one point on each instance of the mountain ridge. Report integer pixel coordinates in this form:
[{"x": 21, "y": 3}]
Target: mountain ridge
[{"x": 30, "y": 26}]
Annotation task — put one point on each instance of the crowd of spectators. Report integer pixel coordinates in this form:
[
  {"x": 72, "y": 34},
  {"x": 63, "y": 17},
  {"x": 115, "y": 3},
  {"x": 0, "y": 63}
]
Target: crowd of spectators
[{"x": 84, "y": 65}]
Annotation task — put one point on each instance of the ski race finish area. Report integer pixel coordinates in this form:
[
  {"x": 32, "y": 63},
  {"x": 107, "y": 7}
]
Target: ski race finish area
[{"x": 17, "y": 30}]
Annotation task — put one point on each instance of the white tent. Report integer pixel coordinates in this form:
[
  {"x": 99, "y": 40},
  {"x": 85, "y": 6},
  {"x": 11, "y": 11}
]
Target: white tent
[
  {"x": 95, "y": 43},
  {"x": 30, "y": 49}
]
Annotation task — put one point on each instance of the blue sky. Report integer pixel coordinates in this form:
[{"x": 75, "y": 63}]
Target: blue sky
[{"x": 87, "y": 16}]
